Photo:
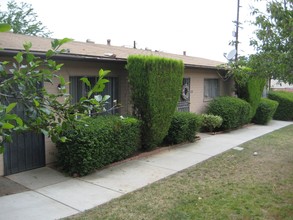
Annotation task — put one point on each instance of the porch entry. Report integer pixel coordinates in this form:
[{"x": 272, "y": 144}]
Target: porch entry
[
  {"x": 184, "y": 102},
  {"x": 78, "y": 89},
  {"x": 27, "y": 150}
]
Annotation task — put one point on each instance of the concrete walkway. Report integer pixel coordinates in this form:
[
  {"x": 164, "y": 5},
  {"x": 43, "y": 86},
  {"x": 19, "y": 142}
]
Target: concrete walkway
[{"x": 53, "y": 195}]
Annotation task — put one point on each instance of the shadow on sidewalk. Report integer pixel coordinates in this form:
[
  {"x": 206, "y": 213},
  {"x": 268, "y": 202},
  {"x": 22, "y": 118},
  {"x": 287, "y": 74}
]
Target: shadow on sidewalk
[{"x": 8, "y": 187}]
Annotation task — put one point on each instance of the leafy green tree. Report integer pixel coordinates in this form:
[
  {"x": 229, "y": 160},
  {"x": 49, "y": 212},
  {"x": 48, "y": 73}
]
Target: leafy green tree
[
  {"x": 249, "y": 84},
  {"x": 4, "y": 27},
  {"x": 21, "y": 83},
  {"x": 273, "y": 42},
  {"x": 23, "y": 20}
]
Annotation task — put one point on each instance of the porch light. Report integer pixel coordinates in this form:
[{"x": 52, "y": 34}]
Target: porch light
[{"x": 60, "y": 87}]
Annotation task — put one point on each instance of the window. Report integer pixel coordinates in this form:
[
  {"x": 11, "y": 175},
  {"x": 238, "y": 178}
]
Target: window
[
  {"x": 211, "y": 89},
  {"x": 78, "y": 89}
]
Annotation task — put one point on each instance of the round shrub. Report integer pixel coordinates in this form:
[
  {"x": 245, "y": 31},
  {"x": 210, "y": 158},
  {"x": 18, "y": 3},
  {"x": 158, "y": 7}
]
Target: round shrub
[
  {"x": 285, "y": 109},
  {"x": 210, "y": 122},
  {"x": 235, "y": 112},
  {"x": 184, "y": 126},
  {"x": 265, "y": 111},
  {"x": 97, "y": 142}
]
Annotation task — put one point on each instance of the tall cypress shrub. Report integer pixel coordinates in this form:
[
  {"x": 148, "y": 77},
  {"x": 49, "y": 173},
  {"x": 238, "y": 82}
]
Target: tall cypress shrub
[
  {"x": 250, "y": 89},
  {"x": 155, "y": 87}
]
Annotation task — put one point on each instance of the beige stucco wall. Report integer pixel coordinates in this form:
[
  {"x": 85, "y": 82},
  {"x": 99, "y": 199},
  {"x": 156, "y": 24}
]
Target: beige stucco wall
[
  {"x": 197, "y": 77},
  {"x": 1, "y": 165}
]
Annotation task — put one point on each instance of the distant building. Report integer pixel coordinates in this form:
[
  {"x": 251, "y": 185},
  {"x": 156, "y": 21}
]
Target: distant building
[{"x": 280, "y": 86}]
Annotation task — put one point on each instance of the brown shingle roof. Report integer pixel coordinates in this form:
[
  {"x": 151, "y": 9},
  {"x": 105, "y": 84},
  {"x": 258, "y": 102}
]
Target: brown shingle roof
[{"x": 11, "y": 41}]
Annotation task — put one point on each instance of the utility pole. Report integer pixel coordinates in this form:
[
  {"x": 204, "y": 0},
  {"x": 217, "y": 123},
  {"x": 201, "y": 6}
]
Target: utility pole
[
  {"x": 237, "y": 30},
  {"x": 285, "y": 5}
]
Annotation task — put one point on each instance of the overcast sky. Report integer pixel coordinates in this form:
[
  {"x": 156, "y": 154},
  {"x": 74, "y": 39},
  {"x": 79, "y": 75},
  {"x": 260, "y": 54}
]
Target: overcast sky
[{"x": 202, "y": 28}]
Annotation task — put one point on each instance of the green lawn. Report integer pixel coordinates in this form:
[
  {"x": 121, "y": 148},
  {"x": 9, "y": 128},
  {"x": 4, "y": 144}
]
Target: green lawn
[{"x": 233, "y": 185}]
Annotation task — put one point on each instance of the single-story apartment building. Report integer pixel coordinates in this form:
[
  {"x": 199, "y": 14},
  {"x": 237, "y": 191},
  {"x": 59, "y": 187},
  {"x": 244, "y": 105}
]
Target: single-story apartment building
[{"x": 203, "y": 80}]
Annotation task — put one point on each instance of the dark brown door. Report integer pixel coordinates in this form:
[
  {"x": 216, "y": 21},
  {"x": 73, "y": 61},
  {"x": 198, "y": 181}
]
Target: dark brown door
[
  {"x": 184, "y": 102},
  {"x": 26, "y": 152}
]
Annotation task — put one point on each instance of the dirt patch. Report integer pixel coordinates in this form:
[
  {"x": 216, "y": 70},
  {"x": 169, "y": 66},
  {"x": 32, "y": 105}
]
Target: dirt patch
[{"x": 8, "y": 187}]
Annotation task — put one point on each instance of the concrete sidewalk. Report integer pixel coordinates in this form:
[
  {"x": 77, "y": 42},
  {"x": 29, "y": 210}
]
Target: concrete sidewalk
[{"x": 53, "y": 195}]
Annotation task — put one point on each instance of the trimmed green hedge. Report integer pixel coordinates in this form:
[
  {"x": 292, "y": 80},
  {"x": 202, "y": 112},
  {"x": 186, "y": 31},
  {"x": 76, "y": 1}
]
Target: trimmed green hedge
[
  {"x": 285, "y": 109},
  {"x": 235, "y": 112},
  {"x": 183, "y": 128},
  {"x": 265, "y": 111},
  {"x": 210, "y": 122},
  {"x": 155, "y": 87},
  {"x": 250, "y": 89},
  {"x": 98, "y": 142}
]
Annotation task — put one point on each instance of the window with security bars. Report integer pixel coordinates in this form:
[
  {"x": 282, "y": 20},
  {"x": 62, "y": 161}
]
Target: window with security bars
[
  {"x": 211, "y": 89},
  {"x": 78, "y": 89}
]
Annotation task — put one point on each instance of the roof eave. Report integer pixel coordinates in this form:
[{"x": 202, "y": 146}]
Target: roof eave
[
  {"x": 63, "y": 56},
  {"x": 67, "y": 56},
  {"x": 204, "y": 67}
]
